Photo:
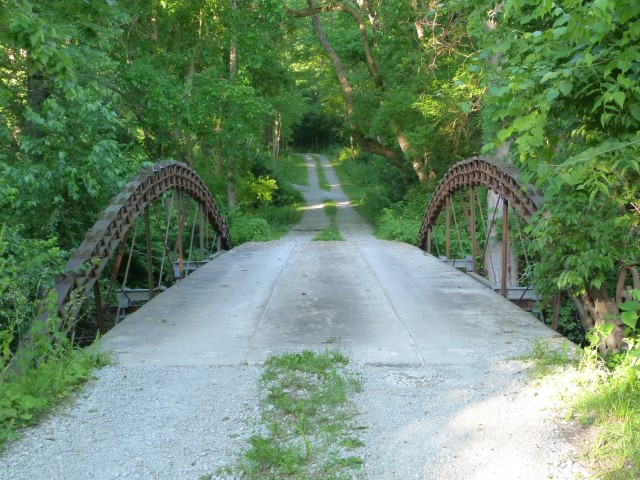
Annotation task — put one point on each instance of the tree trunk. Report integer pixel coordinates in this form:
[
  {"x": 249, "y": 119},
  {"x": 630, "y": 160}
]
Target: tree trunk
[
  {"x": 277, "y": 128},
  {"x": 597, "y": 307},
  {"x": 494, "y": 248},
  {"x": 368, "y": 144},
  {"x": 233, "y": 71}
]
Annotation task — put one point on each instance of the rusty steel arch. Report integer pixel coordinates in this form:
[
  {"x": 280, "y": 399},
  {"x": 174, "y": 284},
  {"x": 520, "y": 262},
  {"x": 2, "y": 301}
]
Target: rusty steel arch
[
  {"x": 503, "y": 179},
  {"x": 89, "y": 260}
]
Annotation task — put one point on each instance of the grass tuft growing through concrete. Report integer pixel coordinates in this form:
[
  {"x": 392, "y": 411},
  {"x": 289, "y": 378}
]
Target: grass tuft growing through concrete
[
  {"x": 307, "y": 427},
  {"x": 331, "y": 233},
  {"x": 323, "y": 183}
]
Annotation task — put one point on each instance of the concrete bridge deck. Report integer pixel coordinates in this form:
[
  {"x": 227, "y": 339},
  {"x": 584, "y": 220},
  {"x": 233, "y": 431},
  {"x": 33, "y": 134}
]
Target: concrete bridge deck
[{"x": 443, "y": 396}]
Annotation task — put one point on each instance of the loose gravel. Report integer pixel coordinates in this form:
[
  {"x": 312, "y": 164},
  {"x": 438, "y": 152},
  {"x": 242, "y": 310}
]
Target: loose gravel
[{"x": 142, "y": 423}]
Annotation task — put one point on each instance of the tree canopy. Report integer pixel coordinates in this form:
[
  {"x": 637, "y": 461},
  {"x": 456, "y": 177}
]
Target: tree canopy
[{"x": 90, "y": 92}]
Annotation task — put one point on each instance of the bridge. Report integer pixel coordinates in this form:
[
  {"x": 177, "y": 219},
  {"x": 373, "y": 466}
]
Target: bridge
[{"x": 443, "y": 395}]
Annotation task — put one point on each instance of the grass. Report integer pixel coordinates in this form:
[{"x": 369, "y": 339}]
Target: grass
[
  {"x": 323, "y": 183},
  {"x": 307, "y": 427},
  {"x": 602, "y": 394},
  {"x": 292, "y": 169},
  {"x": 28, "y": 395},
  {"x": 330, "y": 233},
  {"x": 354, "y": 191}
]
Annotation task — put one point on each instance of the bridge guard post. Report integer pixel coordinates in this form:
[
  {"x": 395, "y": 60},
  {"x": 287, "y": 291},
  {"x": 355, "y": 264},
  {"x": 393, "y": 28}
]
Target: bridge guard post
[
  {"x": 99, "y": 313},
  {"x": 505, "y": 246},
  {"x": 201, "y": 236}
]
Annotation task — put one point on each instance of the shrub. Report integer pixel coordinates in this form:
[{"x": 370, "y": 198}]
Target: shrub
[{"x": 248, "y": 228}]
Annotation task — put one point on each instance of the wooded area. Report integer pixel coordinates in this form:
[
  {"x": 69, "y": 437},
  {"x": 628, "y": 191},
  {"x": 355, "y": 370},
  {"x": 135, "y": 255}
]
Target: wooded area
[
  {"x": 91, "y": 92},
  {"x": 399, "y": 91}
]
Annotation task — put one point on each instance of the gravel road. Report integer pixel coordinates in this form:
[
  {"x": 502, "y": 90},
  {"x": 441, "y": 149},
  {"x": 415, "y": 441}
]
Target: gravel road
[{"x": 443, "y": 396}]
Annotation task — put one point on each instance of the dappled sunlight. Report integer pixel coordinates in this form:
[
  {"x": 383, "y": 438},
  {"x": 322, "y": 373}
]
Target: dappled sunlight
[
  {"x": 317, "y": 206},
  {"x": 494, "y": 425}
]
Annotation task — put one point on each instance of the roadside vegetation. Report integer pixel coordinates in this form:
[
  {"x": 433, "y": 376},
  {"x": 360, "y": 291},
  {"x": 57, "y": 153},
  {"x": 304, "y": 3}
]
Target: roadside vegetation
[
  {"x": 38, "y": 374},
  {"x": 93, "y": 92},
  {"x": 378, "y": 192},
  {"x": 331, "y": 233},
  {"x": 268, "y": 203},
  {"x": 601, "y": 393},
  {"x": 307, "y": 427}
]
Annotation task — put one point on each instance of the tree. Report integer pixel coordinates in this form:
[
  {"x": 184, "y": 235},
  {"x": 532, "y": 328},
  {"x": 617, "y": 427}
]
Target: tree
[
  {"x": 566, "y": 93},
  {"x": 394, "y": 78}
]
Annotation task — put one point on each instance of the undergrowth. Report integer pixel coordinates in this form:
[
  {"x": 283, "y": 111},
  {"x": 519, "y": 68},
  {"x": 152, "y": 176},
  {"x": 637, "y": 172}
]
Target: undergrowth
[
  {"x": 292, "y": 169},
  {"x": 34, "y": 375},
  {"x": 307, "y": 427},
  {"x": 605, "y": 395},
  {"x": 27, "y": 395},
  {"x": 268, "y": 204},
  {"x": 379, "y": 193}
]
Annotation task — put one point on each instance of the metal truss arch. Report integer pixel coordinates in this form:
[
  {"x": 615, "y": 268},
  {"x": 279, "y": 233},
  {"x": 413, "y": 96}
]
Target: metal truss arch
[
  {"x": 476, "y": 172},
  {"x": 87, "y": 262}
]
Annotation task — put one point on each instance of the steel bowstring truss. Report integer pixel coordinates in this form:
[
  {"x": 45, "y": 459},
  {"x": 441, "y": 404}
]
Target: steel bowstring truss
[
  {"x": 108, "y": 234},
  {"x": 464, "y": 180},
  {"x": 503, "y": 179}
]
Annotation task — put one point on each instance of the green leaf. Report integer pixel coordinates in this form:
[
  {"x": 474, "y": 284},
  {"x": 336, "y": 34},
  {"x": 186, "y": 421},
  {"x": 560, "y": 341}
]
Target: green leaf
[
  {"x": 522, "y": 123},
  {"x": 619, "y": 98},
  {"x": 465, "y": 107},
  {"x": 549, "y": 76},
  {"x": 504, "y": 133},
  {"x": 565, "y": 87},
  {"x": 498, "y": 91},
  {"x": 552, "y": 94},
  {"x": 629, "y": 318},
  {"x": 632, "y": 305}
]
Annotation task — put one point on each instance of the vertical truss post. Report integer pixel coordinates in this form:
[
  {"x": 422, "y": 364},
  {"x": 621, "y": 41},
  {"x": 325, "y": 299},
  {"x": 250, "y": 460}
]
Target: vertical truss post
[
  {"x": 448, "y": 228},
  {"x": 201, "y": 233},
  {"x": 429, "y": 240},
  {"x": 99, "y": 313},
  {"x": 116, "y": 267},
  {"x": 472, "y": 226},
  {"x": 505, "y": 246},
  {"x": 179, "y": 235},
  {"x": 147, "y": 227}
]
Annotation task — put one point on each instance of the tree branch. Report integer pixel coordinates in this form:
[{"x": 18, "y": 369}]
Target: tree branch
[{"x": 357, "y": 15}]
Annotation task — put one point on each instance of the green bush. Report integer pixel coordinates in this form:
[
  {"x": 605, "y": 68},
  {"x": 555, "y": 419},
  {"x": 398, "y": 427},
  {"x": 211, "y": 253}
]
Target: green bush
[
  {"x": 279, "y": 216},
  {"x": 402, "y": 220},
  {"x": 247, "y": 228}
]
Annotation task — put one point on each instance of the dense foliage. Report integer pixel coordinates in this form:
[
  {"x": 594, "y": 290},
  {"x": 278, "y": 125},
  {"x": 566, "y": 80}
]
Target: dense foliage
[
  {"x": 565, "y": 91},
  {"x": 93, "y": 91}
]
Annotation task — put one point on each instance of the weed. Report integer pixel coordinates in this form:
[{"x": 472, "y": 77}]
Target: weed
[
  {"x": 306, "y": 420},
  {"x": 27, "y": 395},
  {"x": 607, "y": 397},
  {"x": 331, "y": 233},
  {"x": 323, "y": 183}
]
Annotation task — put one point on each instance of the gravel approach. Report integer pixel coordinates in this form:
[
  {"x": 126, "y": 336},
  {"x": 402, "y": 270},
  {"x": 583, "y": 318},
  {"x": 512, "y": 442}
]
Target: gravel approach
[{"x": 443, "y": 396}]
